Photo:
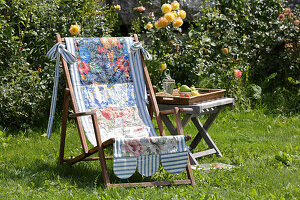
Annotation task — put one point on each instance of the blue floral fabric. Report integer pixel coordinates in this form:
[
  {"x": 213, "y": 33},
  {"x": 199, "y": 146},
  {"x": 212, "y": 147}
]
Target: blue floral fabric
[
  {"x": 105, "y": 74},
  {"x": 103, "y": 60}
]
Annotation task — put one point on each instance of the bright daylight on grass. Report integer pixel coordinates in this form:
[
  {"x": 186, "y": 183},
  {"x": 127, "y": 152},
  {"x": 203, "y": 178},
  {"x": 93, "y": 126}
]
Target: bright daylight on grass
[{"x": 149, "y": 99}]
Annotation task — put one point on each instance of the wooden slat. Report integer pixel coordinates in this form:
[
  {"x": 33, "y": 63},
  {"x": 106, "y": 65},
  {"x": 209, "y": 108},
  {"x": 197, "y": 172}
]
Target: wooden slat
[
  {"x": 190, "y": 173},
  {"x": 151, "y": 111},
  {"x": 64, "y": 125},
  {"x": 181, "y": 110},
  {"x": 93, "y": 150},
  {"x": 80, "y": 114},
  {"x": 178, "y": 121},
  {"x": 100, "y": 150},
  {"x": 73, "y": 100},
  {"x": 149, "y": 184},
  {"x": 88, "y": 159},
  {"x": 204, "y": 153}
]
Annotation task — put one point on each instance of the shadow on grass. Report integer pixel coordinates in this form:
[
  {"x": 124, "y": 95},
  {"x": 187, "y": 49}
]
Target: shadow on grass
[{"x": 82, "y": 175}]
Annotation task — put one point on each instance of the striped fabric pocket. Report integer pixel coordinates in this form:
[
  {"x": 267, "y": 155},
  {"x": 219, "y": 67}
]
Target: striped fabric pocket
[{"x": 146, "y": 158}]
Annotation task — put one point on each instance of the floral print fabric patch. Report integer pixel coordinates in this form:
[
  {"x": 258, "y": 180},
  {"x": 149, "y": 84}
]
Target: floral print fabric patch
[
  {"x": 106, "y": 84},
  {"x": 103, "y": 60},
  {"x": 123, "y": 122},
  {"x": 127, "y": 147}
]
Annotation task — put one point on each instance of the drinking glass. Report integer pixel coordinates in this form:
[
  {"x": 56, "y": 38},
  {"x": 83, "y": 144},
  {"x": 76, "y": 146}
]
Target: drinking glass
[{"x": 168, "y": 86}]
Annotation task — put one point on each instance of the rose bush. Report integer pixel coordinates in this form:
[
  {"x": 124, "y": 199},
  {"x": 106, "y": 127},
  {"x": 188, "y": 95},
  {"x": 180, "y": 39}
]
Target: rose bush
[{"x": 259, "y": 38}]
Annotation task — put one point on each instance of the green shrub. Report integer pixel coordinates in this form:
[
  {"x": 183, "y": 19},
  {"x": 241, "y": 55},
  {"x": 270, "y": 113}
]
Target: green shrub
[{"x": 27, "y": 32}]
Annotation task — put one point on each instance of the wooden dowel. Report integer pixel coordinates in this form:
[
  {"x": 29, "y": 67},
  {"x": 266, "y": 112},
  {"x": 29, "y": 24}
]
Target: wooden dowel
[{"x": 181, "y": 110}]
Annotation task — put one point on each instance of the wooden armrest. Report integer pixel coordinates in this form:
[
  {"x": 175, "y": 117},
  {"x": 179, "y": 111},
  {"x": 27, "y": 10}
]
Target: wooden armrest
[
  {"x": 167, "y": 112},
  {"x": 73, "y": 115}
]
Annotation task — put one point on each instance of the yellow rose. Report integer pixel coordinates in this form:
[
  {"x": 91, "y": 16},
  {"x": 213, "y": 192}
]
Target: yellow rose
[
  {"x": 177, "y": 22},
  {"x": 117, "y": 7},
  {"x": 149, "y": 26},
  {"x": 156, "y": 24},
  {"x": 182, "y": 14},
  {"x": 225, "y": 50},
  {"x": 175, "y": 5},
  {"x": 165, "y": 8},
  {"x": 169, "y": 16},
  {"x": 163, "y": 22},
  {"x": 75, "y": 29},
  {"x": 162, "y": 67},
  {"x": 175, "y": 14}
]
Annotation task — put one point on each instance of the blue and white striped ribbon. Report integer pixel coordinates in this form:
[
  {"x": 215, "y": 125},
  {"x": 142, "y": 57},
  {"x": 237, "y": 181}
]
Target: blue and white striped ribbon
[
  {"x": 54, "y": 53},
  {"x": 138, "y": 46},
  {"x": 139, "y": 81},
  {"x": 135, "y": 48}
]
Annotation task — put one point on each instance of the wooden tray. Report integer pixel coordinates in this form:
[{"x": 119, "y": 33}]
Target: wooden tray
[{"x": 205, "y": 95}]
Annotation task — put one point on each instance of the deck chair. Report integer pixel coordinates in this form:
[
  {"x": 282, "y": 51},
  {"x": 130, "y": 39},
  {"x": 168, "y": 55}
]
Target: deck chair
[{"x": 107, "y": 89}]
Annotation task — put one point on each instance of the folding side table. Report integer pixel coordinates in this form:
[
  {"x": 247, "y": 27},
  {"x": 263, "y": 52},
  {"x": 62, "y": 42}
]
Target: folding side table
[{"x": 211, "y": 108}]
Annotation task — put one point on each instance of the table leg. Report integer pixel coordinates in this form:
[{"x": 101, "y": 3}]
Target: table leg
[
  {"x": 173, "y": 131},
  {"x": 186, "y": 119},
  {"x": 193, "y": 160},
  {"x": 203, "y": 134},
  {"x": 169, "y": 124}
]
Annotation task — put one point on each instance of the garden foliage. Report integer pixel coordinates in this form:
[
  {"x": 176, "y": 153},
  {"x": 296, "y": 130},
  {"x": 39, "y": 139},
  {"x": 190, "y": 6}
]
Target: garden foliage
[
  {"x": 27, "y": 32},
  {"x": 235, "y": 35},
  {"x": 250, "y": 48}
]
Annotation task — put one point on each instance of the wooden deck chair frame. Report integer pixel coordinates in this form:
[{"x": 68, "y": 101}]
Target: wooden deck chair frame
[{"x": 85, "y": 156}]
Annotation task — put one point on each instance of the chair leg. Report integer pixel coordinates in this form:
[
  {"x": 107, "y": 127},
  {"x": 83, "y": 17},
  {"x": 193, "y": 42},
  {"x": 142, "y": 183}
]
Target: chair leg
[
  {"x": 101, "y": 152},
  {"x": 180, "y": 132},
  {"x": 178, "y": 121},
  {"x": 64, "y": 126},
  {"x": 190, "y": 173}
]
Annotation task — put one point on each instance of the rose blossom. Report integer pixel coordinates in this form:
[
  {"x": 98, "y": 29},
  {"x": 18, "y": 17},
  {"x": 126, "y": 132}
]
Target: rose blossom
[
  {"x": 237, "y": 73},
  {"x": 75, "y": 29},
  {"x": 281, "y": 17},
  {"x": 140, "y": 9}
]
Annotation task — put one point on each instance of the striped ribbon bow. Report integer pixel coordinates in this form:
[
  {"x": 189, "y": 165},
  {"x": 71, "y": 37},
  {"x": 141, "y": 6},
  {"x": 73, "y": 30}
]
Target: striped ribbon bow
[
  {"x": 135, "y": 51},
  {"x": 54, "y": 53},
  {"x": 138, "y": 46}
]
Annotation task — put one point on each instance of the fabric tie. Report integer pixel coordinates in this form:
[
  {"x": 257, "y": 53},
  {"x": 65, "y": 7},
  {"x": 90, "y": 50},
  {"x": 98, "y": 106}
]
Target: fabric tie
[
  {"x": 135, "y": 51},
  {"x": 138, "y": 46},
  {"x": 54, "y": 53}
]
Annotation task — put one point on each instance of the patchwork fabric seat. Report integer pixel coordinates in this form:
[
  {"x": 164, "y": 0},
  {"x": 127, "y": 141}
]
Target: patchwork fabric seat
[{"x": 106, "y": 83}]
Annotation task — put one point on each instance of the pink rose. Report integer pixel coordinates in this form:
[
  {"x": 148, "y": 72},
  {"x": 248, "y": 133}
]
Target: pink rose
[
  {"x": 281, "y": 17},
  {"x": 237, "y": 73}
]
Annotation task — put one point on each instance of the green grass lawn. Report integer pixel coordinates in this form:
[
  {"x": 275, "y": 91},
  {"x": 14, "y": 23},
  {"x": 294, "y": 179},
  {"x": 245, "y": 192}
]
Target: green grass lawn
[{"x": 263, "y": 148}]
